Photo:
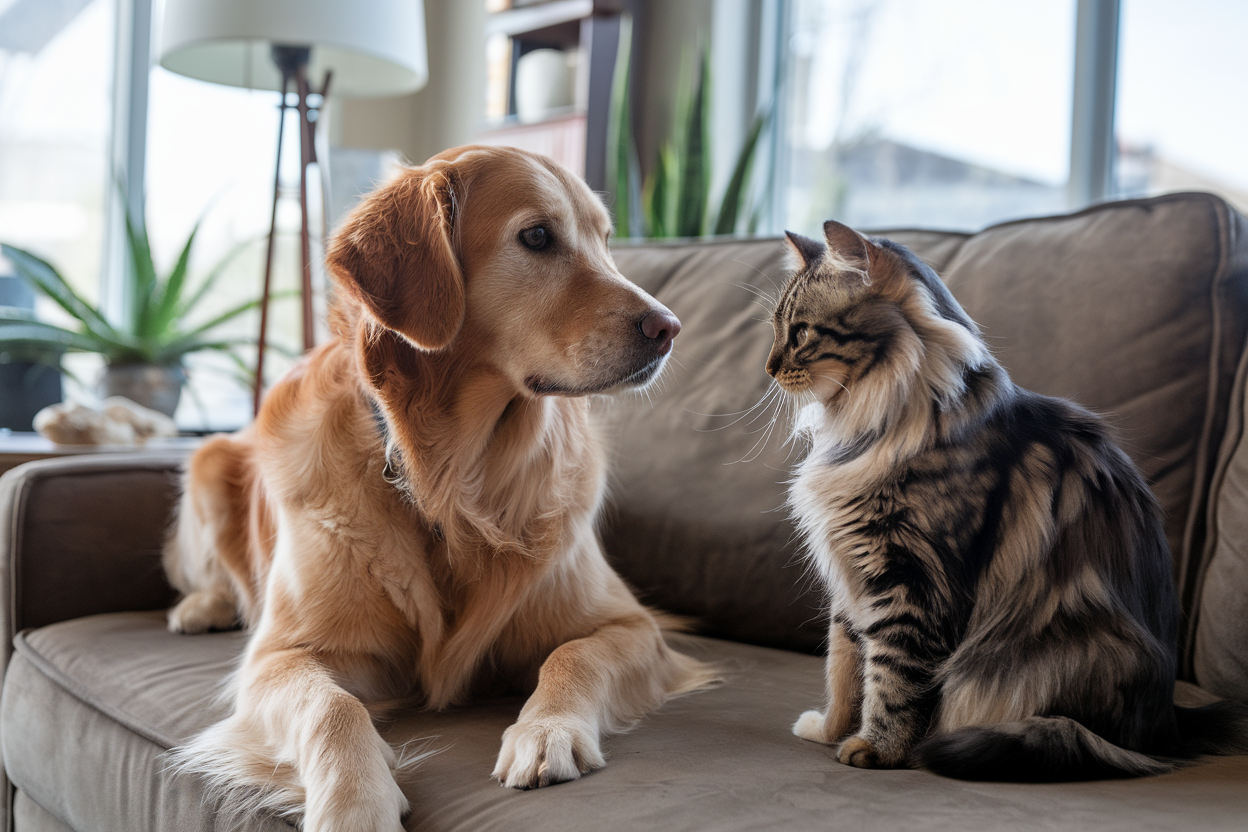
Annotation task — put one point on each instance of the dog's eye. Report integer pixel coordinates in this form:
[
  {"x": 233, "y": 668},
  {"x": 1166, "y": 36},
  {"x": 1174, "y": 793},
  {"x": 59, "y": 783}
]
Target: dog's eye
[{"x": 536, "y": 238}]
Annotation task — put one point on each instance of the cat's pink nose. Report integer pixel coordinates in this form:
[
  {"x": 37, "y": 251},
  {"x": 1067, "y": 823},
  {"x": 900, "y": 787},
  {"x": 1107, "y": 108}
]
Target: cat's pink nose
[{"x": 661, "y": 327}]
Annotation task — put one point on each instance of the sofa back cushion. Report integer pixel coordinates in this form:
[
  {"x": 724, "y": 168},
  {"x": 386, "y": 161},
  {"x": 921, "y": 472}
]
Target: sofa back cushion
[
  {"x": 1220, "y": 650},
  {"x": 1135, "y": 309}
]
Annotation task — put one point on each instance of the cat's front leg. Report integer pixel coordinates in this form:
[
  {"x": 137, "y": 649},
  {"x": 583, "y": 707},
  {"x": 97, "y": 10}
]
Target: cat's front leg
[
  {"x": 897, "y": 696},
  {"x": 844, "y": 670}
]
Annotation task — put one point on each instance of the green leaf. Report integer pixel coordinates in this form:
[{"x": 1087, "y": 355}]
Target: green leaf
[
  {"x": 143, "y": 292},
  {"x": 738, "y": 183},
  {"x": 38, "y": 335},
  {"x": 173, "y": 353},
  {"x": 694, "y": 161},
  {"x": 193, "y": 335},
  {"x": 656, "y": 195},
  {"x": 42, "y": 277},
  {"x": 210, "y": 280},
  {"x": 171, "y": 292},
  {"x": 621, "y": 153}
]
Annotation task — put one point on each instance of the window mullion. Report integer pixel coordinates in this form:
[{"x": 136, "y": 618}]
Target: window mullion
[
  {"x": 127, "y": 151},
  {"x": 1092, "y": 116}
]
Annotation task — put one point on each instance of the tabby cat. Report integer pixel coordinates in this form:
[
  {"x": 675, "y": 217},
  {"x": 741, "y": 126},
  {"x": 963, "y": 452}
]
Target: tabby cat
[{"x": 1002, "y": 604}]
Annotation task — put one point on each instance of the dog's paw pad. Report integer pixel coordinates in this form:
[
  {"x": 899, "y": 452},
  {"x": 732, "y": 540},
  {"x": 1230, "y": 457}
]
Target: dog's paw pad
[{"x": 537, "y": 754}]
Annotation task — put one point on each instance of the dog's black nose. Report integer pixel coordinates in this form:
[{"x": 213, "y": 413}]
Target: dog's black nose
[{"x": 660, "y": 327}]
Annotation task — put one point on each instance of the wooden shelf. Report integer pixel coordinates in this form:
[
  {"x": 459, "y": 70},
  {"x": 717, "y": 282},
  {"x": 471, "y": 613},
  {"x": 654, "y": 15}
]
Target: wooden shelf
[{"x": 578, "y": 137}]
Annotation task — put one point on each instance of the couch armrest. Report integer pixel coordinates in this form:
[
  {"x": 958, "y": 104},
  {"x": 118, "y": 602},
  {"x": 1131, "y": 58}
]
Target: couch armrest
[{"x": 83, "y": 535}]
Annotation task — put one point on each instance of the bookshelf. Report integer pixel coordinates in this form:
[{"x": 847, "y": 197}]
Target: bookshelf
[{"x": 577, "y": 135}]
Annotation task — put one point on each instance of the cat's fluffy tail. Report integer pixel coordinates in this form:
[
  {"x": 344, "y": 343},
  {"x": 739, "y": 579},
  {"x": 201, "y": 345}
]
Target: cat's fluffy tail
[{"x": 1041, "y": 749}]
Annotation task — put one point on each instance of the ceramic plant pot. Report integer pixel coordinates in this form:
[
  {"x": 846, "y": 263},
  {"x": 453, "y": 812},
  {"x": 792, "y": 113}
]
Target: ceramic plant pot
[{"x": 150, "y": 385}]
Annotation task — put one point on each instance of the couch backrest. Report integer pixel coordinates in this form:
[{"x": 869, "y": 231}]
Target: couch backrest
[{"x": 1136, "y": 309}]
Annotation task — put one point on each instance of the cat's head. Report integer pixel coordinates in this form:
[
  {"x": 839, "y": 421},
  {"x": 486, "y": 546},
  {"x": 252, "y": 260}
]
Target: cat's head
[{"x": 866, "y": 317}]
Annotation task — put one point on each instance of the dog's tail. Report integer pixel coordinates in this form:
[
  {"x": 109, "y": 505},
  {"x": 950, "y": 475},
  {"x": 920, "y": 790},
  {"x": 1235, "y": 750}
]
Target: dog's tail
[
  {"x": 1046, "y": 749},
  {"x": 686, "y": 674}
]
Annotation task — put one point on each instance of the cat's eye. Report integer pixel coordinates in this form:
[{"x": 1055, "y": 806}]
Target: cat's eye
[
  {"x": 535, "y": 238},
  {"x": 801, "y": 335}
]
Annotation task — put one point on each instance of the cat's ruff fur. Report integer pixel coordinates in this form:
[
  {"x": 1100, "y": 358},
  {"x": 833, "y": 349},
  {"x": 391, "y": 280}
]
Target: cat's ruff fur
[
  {"x": 461, "y": 558},
  {"x": 1002, "y": 603}
]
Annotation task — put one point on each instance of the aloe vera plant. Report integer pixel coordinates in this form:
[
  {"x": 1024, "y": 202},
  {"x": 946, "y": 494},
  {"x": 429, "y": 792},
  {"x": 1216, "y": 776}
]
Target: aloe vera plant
[
  {"x": 157, "y": 328},
  {"x": 675, "y": 199}
]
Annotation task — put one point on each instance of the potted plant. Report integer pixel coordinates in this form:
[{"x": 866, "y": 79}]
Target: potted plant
[
  {"x": 675, "y": 199},
  {"x": 144, "y": 352}
]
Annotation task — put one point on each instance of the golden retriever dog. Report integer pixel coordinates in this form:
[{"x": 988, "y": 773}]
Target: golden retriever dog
[{"x": 410, "y": 518}]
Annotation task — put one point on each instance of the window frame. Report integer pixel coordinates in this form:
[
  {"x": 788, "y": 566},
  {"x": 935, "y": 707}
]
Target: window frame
[{"x": 1091, "y": 151}]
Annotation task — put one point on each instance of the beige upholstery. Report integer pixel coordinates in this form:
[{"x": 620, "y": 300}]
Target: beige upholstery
[
  {"x": 1137, "y": 309},
  {"x": 720, "y": 760}
]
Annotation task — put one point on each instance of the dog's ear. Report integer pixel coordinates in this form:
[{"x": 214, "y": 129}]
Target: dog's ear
[{"x": 394, "y": 254}]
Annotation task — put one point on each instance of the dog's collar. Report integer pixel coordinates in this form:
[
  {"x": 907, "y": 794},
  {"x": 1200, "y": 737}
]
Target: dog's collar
[{"x": 392, "y": 473}]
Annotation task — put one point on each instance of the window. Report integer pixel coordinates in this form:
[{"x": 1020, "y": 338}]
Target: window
[
  {"x": 954, "y": 114},
  {"x": 56, "y": 71},
  {"x": 210, "y": 153},
  {"x": 1181, "y": 115}
]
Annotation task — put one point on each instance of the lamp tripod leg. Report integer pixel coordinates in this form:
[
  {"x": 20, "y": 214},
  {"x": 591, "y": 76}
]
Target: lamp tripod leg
[
  {"x": 306, "y": 157},
  {"x": 257, "y": 390}
]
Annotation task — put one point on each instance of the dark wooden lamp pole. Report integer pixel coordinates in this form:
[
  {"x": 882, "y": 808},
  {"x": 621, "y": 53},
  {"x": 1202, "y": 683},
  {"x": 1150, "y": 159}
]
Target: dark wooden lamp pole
[{"x": 293, "y": 63}]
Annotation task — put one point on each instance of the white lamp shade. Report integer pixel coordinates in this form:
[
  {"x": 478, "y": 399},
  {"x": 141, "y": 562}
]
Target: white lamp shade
[{"x": 374, "y": 47}]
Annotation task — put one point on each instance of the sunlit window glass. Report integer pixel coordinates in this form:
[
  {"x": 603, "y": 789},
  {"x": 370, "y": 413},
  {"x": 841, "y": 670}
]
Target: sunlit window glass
[
  {"x": 1181, "y": 115},
  {"x": 908, "y": 112}
]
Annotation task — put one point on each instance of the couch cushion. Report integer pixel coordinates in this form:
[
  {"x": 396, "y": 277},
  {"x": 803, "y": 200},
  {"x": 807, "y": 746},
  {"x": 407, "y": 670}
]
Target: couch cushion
[
  {"x": 1136, "y": 309},
  {"x": 1220, "y": 656},
  {"x": 89, "y": 706}
]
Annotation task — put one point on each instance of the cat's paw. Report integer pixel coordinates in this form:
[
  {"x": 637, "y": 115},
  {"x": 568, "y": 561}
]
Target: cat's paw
[
  {"x": 810, "y": 726},
  {"x": 541, "y": 753},
  {"x": 858, "y": 752}
]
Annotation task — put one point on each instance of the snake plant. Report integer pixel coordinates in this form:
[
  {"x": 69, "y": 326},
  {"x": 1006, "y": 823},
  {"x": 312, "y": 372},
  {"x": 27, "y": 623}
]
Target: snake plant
[
  {"x": 156, "y": 328},
  {"x": 675, "y": 198}
]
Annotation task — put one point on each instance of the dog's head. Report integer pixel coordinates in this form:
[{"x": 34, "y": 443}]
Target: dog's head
[{"x": 502, "y": 255}]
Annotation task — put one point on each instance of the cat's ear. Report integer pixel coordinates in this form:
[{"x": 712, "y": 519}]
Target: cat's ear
[
  {"x": 848, "y": 244},
  {"x": 808, "y": 251}
]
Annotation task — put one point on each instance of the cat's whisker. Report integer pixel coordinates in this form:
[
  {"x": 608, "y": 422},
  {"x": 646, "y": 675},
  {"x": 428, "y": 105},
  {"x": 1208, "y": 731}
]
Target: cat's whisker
[
  {"x": 761, "y": 442},
  {"x": 762, "y": 273},
  {"x": 740, "y": 414},
  {"x": 771, "y": 425},
  {"x": 756, "y": 291}
]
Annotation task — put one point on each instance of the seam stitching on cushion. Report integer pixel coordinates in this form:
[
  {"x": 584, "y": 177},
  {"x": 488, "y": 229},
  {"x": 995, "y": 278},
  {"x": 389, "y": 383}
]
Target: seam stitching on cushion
[
  {"x": 1198, "y": 566},
  {"x": 1189, "y": 557},
  {"x": 79, "y": 692}
]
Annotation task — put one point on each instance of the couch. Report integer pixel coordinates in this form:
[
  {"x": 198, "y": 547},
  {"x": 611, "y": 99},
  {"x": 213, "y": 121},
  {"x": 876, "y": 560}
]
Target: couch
[{"x": 1138, "y": 309}]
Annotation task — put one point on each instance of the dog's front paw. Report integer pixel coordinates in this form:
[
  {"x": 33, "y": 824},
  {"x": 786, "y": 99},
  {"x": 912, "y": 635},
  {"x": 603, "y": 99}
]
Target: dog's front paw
[
  {"x": 811, "y": 726},
  {"x": 363, "y": 797},
  {"x": 202, "y": 611},
  {"x": 357, "y": 809},
  {"x": 542, "y": 752}
]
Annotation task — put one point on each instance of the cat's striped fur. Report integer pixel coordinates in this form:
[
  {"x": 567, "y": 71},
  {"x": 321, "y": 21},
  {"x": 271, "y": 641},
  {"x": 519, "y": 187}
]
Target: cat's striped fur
[{"x": 1002, "y": 604}]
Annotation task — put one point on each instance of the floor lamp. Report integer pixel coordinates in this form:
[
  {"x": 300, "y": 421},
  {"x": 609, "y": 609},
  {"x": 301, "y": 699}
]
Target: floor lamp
[{"x": 368, "y": 48}]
